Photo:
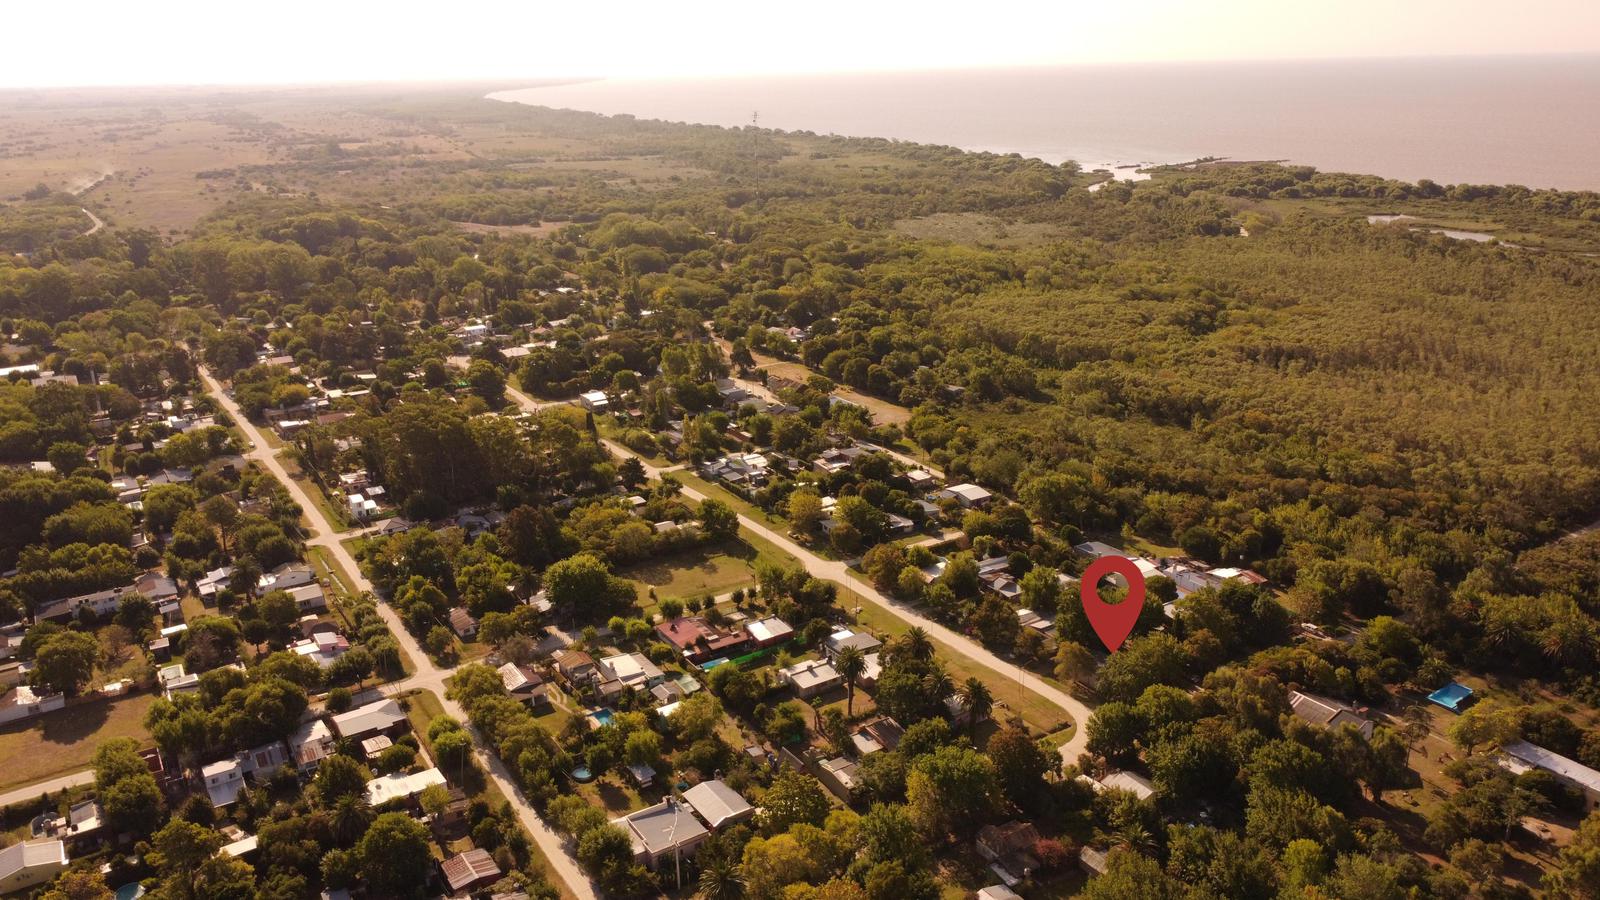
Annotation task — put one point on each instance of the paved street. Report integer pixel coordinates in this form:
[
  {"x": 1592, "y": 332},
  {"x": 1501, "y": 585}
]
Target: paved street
[{"x": 54, "y": 785}]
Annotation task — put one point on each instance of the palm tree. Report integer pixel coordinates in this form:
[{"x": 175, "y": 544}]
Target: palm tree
[
  {"x": 850, "y": 662},
  {"x": 978, "y": 700},
  {"x": 916, "y": 645},
  {"x": 721, "y": 879},
  {"x": 1132, "y": 835},
  {"x": 349, "y": 819}
]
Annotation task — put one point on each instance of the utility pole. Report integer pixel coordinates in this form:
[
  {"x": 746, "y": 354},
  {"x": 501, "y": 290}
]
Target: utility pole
[{"x": 755, "y": 118}]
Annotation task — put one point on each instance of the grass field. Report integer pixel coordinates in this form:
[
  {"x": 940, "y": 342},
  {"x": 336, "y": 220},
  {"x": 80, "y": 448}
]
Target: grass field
[
  {"x": 64, "y": 741},
  {"x": 714, "y": 569}
]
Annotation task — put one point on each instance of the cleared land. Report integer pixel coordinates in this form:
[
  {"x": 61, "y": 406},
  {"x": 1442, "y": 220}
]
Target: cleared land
[{"x": 64, "y": 741}]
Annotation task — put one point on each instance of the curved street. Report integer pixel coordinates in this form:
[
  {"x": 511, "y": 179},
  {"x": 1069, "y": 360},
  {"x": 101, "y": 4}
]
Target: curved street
[{"x": 839, "y": 573}]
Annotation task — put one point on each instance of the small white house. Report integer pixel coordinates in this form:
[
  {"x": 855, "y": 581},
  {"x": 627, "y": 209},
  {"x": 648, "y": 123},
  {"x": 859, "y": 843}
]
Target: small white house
[{"x": 224, "y": 780}]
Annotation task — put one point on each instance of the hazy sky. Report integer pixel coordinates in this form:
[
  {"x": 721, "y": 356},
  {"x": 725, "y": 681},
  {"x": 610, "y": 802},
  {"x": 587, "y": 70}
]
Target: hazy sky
[{"x": 180, "y": 41}]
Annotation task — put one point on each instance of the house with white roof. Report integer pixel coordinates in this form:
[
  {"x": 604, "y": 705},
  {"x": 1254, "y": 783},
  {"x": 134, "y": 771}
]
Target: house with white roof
[
  {"x": 224, "y": 780},
  {"x": 633, "y": 670},
  {"x": 769, "y": 631},
  {"x": 401, "y": 785},
  {"x": 31, "y": 863},
  {"x": 665, "y": 831},
  {"x": 717, "y": 804},
  {"x": 811, "y": 677},
  {"x": 323, "y": 648},
  {"x": 1521, "y": 756},
  {"x": 381, "y": 717},
  {"x": 970, "y": 496}
]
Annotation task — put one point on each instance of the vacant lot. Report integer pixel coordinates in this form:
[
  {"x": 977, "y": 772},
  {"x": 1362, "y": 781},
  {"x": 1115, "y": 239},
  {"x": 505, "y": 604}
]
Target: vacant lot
[
  {"x": 64, "y": 741},
  {"x": 714, "y": 569}
]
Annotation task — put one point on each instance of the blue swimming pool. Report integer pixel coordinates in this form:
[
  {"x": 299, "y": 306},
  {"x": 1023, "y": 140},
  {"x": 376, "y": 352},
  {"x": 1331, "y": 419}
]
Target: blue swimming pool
[
  {"x": 602, "y": 717},
  {"x": 582, "y": 775},
  {"x": 1452, "y": 696}
]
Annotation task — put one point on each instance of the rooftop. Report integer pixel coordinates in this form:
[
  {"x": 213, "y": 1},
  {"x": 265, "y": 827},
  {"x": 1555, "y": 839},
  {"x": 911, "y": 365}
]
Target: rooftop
[
  {"x": 401, "y": 785},
  {"x": 466, "y": 869},
  {"x": 363, "y": 720},
  {"x": 717, "y": 803},
  {"x": 660, "y": 828}
]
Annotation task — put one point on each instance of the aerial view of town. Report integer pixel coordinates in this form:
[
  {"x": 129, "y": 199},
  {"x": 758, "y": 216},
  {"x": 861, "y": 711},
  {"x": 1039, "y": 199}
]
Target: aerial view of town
[{"x": 410, "y": 491}]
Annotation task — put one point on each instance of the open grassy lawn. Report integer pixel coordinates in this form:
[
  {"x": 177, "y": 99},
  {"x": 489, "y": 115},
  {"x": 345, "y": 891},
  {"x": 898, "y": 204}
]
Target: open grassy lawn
[
  {"x": 64, "y": 741},
  {"x": 713, "y": 569},
  {"x": 563, "y": 709},
  {"x": 615, "y": 794}
]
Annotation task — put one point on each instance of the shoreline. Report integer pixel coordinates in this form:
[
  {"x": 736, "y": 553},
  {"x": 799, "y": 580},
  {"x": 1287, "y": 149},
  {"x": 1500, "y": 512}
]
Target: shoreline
[{"x": 1338, "y": 117}]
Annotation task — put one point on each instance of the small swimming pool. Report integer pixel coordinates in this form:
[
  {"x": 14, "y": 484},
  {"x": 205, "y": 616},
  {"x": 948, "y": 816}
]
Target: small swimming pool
[
  {"x": 602, "y": 717},
  {"x": 582, "y": 775}
]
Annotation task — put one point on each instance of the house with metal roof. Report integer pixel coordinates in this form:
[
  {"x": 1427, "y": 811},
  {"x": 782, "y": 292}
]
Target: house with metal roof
[
  {"x": 1521, "y": 756},
  {"x": 717, "y": 804},
  {"x": 374, "y": 718},
  {"x": 31, "y": 863},
  {"x": 1328, "y": 713},
  {"x": 470, "y": 870},
  {"x": 662, "y": 832}
]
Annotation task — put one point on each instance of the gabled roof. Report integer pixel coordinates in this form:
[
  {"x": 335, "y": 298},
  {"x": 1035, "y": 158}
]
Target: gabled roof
[
  {"x": 466, "y": 869},
  {"x": 717, "y": 803},
  {"x": 26, "y": 855},
  {"x": 1328, "y": 713},
  {"x": 1550, "y": 761},
  {"x": 362, "y": 720}
]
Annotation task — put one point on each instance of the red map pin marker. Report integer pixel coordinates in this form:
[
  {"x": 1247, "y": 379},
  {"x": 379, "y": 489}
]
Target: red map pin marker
[{"x": 1112, "y": 622}]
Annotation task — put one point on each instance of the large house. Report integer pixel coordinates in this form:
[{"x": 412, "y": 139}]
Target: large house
[
  {"x": 101, "y": 603},
  {"x": 633, "y": 670},
  {"x": 662, "y": 832},
  {"x": 698, "y": 641},
  {"x": 717, "y": 804},
  {"x": 31, "y": 863},
  {"x": 1520, "y": 756}
]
